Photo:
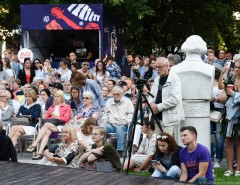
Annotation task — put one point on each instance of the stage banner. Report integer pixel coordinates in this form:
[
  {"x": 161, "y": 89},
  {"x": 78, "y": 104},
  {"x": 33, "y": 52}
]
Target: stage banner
[{"x": 61, "y": 17}]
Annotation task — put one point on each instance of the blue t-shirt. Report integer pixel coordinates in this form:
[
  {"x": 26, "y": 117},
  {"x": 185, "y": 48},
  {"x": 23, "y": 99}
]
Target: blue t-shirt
[{"x": 192, "y": 160}]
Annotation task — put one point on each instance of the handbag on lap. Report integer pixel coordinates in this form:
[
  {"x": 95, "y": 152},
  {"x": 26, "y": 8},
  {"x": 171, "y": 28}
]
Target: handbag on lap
[{"x": 21, "y": 120}]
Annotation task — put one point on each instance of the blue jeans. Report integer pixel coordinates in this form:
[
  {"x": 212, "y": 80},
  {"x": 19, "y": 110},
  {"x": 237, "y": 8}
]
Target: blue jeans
[
  {"x": 220, "y": 139},
  {"x": 173, "y": 173},
  {"x": 203, "y": 180},
  {"x": 120, "y": 132}
]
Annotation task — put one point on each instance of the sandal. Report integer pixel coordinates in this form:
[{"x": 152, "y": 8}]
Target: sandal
[
  {"x": 228, "y": 173},
  {"x": 31, "y": 149},
  {"x": 37, "y": 157},
  {"x": 237, "y": 173}
]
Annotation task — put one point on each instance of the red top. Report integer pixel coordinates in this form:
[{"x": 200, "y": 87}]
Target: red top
[
  {"x": 28, "y": 78},
  {"x": 64, "y": 112}
]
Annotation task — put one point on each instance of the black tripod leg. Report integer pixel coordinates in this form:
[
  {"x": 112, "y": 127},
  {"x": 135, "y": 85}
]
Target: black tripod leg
[
  {"x": 131, "y": 130},
  {"x": 158, "y": 123}
]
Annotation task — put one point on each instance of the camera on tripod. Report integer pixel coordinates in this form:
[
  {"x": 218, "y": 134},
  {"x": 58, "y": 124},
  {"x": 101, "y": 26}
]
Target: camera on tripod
[{"x": 137, "y": 81}]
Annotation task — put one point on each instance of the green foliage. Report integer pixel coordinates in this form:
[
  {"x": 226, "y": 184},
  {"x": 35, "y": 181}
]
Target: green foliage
[{"x": 156, "y": 23}]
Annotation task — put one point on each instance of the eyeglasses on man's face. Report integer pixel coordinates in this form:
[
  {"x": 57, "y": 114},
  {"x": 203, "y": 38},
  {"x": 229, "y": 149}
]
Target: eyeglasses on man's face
[{"x": 159, "y": 67}]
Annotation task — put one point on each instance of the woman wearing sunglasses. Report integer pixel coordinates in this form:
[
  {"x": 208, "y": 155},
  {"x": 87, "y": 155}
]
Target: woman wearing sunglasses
[
  {"x": 37, "y": 66},
  {"x": 87, "y": 110},
  {"x": 85, "y": 70},
  {"x": 166, "y": 162},
  {"x": 101, "y": 73}
]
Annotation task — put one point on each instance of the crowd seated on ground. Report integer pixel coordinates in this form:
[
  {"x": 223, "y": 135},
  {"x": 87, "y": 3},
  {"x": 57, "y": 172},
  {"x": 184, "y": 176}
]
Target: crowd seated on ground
[{"x": 104, "y": 95}]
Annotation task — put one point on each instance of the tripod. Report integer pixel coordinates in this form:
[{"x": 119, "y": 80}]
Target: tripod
[{"x": 140, "y": 84}]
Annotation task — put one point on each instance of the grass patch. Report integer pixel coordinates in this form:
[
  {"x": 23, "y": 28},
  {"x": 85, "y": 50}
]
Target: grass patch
[{"x": 220, "y": 179}]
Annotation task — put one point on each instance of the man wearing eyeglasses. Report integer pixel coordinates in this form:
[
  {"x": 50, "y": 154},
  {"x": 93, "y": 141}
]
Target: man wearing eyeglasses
[
  {"x": 117, "y": 115},
  {"x": 222, "y": 58},
  {"x": 167, "y": 101},
  {"x": 195, "y": 159}
]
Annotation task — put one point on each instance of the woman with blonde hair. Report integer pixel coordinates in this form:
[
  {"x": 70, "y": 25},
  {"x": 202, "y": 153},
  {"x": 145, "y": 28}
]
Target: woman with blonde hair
[
  {"x": 63, "y": 153},
  {"x": 30, "y": 108},
  {"x": 6, "y": 110},
  {"x": 57, "y": 115},
  {"x": 47, "y": 68}
]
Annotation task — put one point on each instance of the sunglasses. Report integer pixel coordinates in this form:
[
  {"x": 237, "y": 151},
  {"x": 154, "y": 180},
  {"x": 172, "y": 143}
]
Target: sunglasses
[
  {"x": 164, "y": 138},
  {"x": 85, "y": 64},
  {"x": 36, "y": 62},
  {"x": 87, "y": 98}
]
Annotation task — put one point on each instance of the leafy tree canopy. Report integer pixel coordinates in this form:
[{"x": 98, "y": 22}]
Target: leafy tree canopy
[{"x": 156, "y": 23}]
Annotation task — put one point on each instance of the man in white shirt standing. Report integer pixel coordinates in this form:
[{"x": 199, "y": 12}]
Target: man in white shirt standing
[
  {"x": 167, "y": 102},
  {"x": 117, "y": 115}
]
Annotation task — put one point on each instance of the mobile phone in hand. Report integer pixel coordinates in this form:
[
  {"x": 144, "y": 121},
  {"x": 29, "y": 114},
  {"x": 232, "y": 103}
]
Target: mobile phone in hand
[{"x": 154, "y": 161}]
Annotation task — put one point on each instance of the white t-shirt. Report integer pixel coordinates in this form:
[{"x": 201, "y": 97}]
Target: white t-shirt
[
  {"x": 100, "y": 78},
  {"x": 55, "y": 111},
  {"x": 87, "y": 139},
  {"x": 217, "y": 93},
  {"x": 10, "y": 72},
  {"x": 66, "y": 76},
  {"x": 40, "y": 73}
]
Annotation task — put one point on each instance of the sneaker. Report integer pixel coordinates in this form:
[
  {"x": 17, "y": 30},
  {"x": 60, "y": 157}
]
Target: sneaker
[
  {"x": 217, "y": 165},
  {"x": 228, "y": 173},
  {"x": 237, "y": 173}
]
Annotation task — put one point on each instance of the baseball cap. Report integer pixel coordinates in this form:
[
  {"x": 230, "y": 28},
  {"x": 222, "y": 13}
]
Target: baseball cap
[
  {"x": 122, "y": 83},
  {"x": 57, "y": 85}
]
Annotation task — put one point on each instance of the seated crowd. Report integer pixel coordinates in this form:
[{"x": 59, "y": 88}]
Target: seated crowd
[{"x": 83, "y": 105}]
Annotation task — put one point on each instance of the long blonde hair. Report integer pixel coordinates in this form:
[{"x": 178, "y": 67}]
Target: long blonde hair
[{"x": 49, "y": 69}]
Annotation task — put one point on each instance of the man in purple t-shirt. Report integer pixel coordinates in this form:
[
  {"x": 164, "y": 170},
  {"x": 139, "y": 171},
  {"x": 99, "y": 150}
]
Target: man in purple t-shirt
[{"x": 196, "y": 163}]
